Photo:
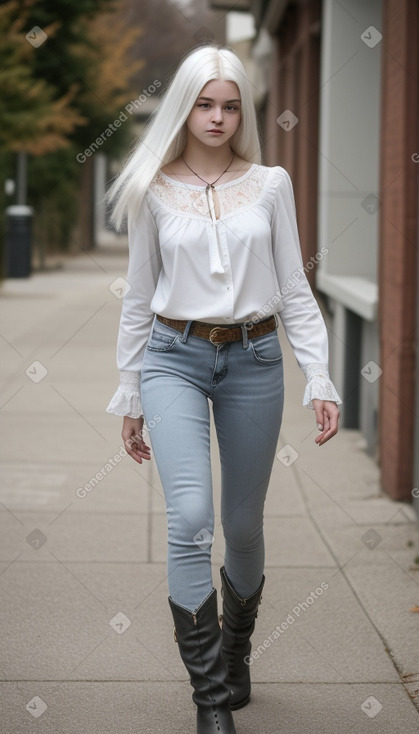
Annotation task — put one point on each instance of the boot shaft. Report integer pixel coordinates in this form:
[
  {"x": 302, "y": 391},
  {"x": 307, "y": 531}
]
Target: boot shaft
[
  {"x": 239, "y": 614},
  {"x": 199, "y": 638},
  {"x": 238, "y": 622}
]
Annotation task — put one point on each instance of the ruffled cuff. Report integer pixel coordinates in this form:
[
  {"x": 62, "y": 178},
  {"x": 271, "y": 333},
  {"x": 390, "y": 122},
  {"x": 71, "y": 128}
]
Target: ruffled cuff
[
  {"x": 319, "y": 385},
  {"x": 127, "y": 400}
]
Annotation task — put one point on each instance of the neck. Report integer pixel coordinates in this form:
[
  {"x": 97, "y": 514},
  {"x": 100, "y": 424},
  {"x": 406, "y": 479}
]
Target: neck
[{"x": 205, "y": 160}]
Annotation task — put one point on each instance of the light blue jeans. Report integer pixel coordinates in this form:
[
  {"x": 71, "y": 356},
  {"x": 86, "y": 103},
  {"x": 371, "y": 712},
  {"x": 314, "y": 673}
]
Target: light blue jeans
[{"x": 244, "y": 381}]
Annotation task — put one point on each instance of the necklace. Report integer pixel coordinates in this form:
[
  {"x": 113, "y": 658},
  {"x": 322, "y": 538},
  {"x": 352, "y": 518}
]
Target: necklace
[{"x": 209, "y": 185}]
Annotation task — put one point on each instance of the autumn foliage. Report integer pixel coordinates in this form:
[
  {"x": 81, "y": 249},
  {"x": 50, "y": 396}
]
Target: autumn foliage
[
  {"x": 56, "y": 98},
  {"x": 66, "y": 89}
]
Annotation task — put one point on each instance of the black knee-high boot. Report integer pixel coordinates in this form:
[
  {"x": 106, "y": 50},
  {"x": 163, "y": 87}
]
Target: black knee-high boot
[
  {"x": 199, "y": 638},
  {"x": 238, "y": 617}
]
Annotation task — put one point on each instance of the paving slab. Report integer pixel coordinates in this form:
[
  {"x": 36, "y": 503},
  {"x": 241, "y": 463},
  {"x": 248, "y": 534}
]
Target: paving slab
[
  {"x": 59, "y": 622},
  {"x": 293, "y": 541},
  {"x": 60, "y": 435},
  {"x": 341, "y": 470},
  {"x": 284, "y": 497},
  {"x": 311, "y": 627},
  {"x": 83, "y": 487},
  {"x": 166, "y": 708},
  {"x": 374, "y": 545},
  {"x": 388, "y": 598},
  {"x": 359, "y": 511},
  {"x": 74, "y": 536}
]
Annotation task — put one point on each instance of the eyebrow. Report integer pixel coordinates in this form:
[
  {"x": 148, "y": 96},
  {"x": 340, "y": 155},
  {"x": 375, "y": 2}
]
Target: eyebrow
[{"x": 210, "y": 99}]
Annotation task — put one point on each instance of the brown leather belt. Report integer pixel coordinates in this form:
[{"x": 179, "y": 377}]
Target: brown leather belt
[{"x": 217, "y": 334}]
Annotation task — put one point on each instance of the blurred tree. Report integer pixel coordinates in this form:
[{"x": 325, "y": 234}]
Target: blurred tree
[
  {"x": 61, "y": 96},
  {"x": 33, "y": 118},
  {"x": 88, "y": 51},
  {"x": 107, "y": 90}
]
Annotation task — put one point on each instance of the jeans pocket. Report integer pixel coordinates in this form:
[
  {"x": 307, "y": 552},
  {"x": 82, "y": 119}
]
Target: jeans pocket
[
  {"x": 162, "y": 338},
  {"x": 266, "y": 349}
]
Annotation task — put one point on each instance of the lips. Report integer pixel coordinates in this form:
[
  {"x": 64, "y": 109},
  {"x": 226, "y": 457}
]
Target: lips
[{"x": 216, "y": 131}]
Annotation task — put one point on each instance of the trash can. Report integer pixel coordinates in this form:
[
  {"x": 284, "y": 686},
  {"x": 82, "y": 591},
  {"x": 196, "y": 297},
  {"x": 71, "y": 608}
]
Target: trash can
[{"x": 18, "y": 241}]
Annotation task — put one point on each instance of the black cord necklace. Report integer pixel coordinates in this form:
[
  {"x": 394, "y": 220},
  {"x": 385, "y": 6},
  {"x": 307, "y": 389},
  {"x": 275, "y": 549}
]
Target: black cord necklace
[{"x": 209, "y": 185}]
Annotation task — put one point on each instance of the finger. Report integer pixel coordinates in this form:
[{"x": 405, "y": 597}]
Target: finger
[
  {"x": 133, "y": 439},
  {"x": 137, "y": 459},
  {"x": 326, "y": 435},
  {"x": 138, "y": 450},
  {"x": 333, "y": 417},
  {"x": 143, "y": 449},
  {"x": 330, "y": 422},
  {"x": 322, "y": 425},
  {"x": 134, "y": 455},
  {"x": 138, "y": 455},
  {"x": 144, "y": 446},
  {"x": 320, "y": 440},
  {"x": 145, "y": 453},
  {"x": 318, "y": 411}
]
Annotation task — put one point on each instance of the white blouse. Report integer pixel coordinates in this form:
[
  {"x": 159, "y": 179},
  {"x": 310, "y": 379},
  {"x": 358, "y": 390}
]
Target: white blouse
[{"x": 184, "y": 263}]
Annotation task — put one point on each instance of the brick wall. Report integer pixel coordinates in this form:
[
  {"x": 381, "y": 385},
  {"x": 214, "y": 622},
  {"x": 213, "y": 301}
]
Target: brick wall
[{"x": 398, "y": 243}]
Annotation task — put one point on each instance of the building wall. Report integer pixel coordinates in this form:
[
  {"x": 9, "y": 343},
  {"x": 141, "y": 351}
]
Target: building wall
[
  {"x": 367, "y": 157},
  {"x": 349, "y": 147},
  {"x": 398, "y": 240},
  {"x": 328, "y": 78},
  {"x": 293, "y": 97}
]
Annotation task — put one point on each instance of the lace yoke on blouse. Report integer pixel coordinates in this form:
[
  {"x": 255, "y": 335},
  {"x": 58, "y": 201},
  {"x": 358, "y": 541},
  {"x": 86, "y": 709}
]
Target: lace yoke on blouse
[{"x": 195, "y": 201}]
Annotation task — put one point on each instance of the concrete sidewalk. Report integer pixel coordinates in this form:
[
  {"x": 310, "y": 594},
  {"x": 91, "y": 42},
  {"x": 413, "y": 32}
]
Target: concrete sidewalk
[{"x": 87, "y": 634}]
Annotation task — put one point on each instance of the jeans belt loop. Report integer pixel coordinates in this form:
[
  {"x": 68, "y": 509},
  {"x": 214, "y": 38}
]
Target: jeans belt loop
[
  {"x": 185, "y": 334},
  {"x": 245, "y": 340}
]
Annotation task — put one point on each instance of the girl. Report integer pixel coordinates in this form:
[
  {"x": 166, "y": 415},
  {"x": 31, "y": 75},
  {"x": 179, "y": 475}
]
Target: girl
[{"x": 214, "y": 257}]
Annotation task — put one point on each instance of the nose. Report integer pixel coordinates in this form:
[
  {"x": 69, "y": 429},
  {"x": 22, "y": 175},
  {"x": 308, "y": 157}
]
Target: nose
[{"x": 217, "y": 115}]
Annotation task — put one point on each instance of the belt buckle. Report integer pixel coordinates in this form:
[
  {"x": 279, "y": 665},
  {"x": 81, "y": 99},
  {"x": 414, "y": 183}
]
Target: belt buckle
[{"x": 215, "y": 329}]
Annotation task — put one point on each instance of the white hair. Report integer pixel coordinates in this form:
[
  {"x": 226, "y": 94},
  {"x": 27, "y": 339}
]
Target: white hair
[{"x": 165, "y": 132}]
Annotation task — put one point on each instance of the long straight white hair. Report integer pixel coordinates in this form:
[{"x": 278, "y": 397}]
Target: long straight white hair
[{"x": 165, "y": 131}]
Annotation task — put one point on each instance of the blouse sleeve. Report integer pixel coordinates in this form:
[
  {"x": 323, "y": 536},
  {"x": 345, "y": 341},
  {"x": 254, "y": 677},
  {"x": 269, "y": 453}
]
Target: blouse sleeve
[
  {"x": 301, "y": 316},
  {"x": 144, "y": 266}
]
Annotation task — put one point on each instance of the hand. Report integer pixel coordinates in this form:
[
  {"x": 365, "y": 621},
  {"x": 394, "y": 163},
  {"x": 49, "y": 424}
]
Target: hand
[
  {"x": 132, "y": 434},
  {"x": 327, "y": 416}
]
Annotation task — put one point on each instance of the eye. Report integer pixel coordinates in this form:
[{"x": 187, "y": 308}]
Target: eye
[{"x": 229, "y": 107}]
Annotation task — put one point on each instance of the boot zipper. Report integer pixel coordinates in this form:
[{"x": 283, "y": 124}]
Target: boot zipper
[
  {"x": 243, "y": 602},
  {"x": 195, "y": 621}
]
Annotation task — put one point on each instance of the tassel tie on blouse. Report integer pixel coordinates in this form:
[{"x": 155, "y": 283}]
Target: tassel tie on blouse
[{"x": 215, "y": 263}]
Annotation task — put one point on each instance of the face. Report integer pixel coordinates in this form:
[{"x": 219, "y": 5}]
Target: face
[{"x": 216, "y": 108}]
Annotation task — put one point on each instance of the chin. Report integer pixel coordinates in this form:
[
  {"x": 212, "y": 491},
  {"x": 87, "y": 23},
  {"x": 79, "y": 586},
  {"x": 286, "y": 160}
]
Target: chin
[{"x": 216, "y": 140}]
